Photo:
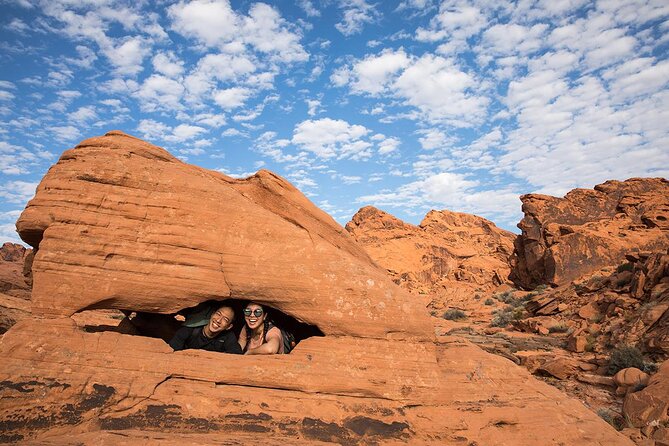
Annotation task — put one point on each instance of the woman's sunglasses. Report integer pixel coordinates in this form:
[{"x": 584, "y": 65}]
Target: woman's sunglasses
[{"x": 257, "y": 312}]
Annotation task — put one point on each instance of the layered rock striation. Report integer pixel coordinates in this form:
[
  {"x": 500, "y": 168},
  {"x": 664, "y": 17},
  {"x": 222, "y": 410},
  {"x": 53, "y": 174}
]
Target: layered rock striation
[
  {"x": 448, "y": 249},
  {"x": 566, "y": 238}
]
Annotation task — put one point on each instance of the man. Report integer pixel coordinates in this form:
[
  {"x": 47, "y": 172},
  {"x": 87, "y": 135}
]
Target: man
[{"x": 216, "y": 336}]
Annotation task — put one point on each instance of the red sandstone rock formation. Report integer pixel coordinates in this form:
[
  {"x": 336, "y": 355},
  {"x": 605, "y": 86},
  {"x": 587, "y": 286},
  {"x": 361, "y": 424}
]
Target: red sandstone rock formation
[
  {"x": 628, "y": 305},
  {"x": 564, "y": 238},
  {"x": 447, "y": 250},
  {"x": 14, "y": 285},
  {"x": 122, "y": 224}
]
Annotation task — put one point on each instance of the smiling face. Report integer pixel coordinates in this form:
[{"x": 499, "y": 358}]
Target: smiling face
[
  {"x": 221, "y": 320},
  {"x": 254, "y": 315}
]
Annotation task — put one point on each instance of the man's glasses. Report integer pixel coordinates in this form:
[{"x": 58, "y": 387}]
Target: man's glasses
[{"x": 257, "y": 312}]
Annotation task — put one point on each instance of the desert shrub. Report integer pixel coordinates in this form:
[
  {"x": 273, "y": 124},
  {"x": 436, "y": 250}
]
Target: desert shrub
[
  {"x": 505, "y": 297},
  {"x": 558, "y": 328},
  {"x": 540, "y": 289},
  {"x": 624, "y": 357},
  {"x": 627, "y": 266},
  {"x": 477, "y": 296},
  {"x": 612, "y": 418},
  {"x": 506, "y": 315},
  {"x": 590, "y": 342},
  {"x": 489, "y": 301},
  {"x": 501, "y": 319},
  {"x": 650, "y": 367},
  {"x": 454, "y": 315}
]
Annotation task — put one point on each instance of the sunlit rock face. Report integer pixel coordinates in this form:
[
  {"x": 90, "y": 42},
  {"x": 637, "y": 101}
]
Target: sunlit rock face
[
  {"x": 122, "y": 224},
  {"x": 565, "y": 238},
  {"x": 447, "y": 250}
]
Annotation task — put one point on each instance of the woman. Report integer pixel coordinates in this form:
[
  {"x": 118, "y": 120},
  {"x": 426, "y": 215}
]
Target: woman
[{"x": 259, "y": 336}]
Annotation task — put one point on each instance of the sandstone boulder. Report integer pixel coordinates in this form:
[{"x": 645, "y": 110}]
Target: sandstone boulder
[
  {"x": 448, "y": 249},
  {"x": 157, "y": 235},
  {"x": 565, "y": 238},
  {"x": 630, "y": 376},
  {"x": 649, "y": 406}
]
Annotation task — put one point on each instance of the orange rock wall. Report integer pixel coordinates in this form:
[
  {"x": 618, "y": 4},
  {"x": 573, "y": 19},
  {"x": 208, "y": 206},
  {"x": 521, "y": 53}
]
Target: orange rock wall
[{"x": 565, "y": 238}]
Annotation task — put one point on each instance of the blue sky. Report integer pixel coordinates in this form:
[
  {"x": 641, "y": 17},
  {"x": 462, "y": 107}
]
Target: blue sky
[{"x": 409, "y": 106}]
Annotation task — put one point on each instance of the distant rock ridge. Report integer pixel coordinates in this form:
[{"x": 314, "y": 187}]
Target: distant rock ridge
[
  {"x": 565, "y": 238},
  {"x": 447, "y": 249}
]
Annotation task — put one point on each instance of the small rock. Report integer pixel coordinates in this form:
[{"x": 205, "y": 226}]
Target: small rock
[
  {"x": 597, "y": 380},
  {"x": 577, "y": 343},
  {"x": 630, "y": 377}
]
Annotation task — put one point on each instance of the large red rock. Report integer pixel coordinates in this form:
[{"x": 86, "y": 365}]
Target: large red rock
[
  {"x": 123, "y": 224},
  {"x": 650, "y": 406},
  {"x": 62, "y": 385},
  {"x": 564, "y": 238},
  {"x": 14, "y": 284},
  {"x": 447, "y": 250}
]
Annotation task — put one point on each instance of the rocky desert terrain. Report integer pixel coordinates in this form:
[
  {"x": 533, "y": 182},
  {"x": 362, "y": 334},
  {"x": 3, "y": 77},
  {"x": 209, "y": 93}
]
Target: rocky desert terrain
[{"x": 450, "y": 332}]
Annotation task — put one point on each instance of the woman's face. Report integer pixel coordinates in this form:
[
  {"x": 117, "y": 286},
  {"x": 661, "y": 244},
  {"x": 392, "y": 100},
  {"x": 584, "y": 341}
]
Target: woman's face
[{"x": 254, "y": 315}]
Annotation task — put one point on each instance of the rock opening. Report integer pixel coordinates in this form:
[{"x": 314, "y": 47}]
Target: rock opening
[{"x": 164, "y": 326}]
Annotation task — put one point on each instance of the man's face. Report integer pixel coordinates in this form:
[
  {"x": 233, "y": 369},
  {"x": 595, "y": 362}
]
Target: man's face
[{"x": 221, "y": 320}]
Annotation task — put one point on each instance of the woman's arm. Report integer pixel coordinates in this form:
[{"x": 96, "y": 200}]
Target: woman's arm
[{"x": 272, "y": 346}]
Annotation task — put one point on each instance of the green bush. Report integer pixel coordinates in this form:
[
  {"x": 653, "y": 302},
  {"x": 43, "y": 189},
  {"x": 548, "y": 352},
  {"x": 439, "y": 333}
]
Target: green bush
[
  {"x": 624, "y": 357},
  {"x": 489, "y": 301},
  {"x": 454, "y": 315}
]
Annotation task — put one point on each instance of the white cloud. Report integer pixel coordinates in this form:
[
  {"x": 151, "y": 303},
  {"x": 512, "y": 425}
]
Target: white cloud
[
  {"x": 372, "y": 74},
  {"x": 441, "y": 91},
  {"x": 433, "y": 139},
  {"x": 158, "y": 92},
  {"x": 308, "y": 8},
  {"x": 328, "y": 138},
  {"x": 232, "y": 97},
  {"x": 455, "y": 22},
  {"x": 158, "y": 131},
  {"x": 215, "y": 24},
  {"x": 356, "y": 14},
  {"x": 66, "y": 133},
  {"x": 83, "y": 115},
  {"x": 168, "y": 64},
  {"x": 18, "y": 192}
]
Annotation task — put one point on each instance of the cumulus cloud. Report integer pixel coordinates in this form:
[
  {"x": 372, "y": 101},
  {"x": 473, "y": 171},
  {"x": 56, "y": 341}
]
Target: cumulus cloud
[
  {"x": 17, "y": 192},
  {"x": 159, "y": 131},
  {"x": 328, "y": 138},
  {"x": 215, "y": 24},
  {"x": 356, "y": 14},
  {"x": 232, "y": 97}
]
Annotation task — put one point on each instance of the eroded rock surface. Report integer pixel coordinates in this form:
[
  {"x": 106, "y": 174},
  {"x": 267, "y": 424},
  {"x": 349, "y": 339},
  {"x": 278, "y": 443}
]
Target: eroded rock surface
[
  {"x": 448, "y": 249},
  {"x": 564, "y": 238},
  {"x": 14, "y": 285},
  {"x": 113, "y": 387}
]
